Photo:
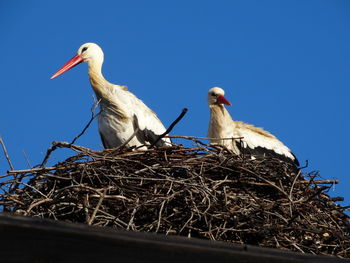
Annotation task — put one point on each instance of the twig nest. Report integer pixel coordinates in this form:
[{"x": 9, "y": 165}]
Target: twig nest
[{"x": 204, "y": 192}]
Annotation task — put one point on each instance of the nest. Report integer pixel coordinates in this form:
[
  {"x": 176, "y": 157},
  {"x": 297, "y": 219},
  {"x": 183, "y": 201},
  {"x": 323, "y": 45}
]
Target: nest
[{"x": 204, "y": 192}]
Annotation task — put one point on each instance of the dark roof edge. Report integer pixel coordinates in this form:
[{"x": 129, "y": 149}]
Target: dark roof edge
[{"x": 33, "y": 239}]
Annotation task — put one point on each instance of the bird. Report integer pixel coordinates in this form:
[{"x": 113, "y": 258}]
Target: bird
[
  {"x": 122, "y": 115},
  {"x": 250, "y": 140}
]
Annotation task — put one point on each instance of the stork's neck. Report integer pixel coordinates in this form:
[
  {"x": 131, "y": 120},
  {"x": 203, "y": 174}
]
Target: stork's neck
[
  {"x": 220, "y": 122},
  {"x": 98, "y": 82},
  {"x": 95, "y": 68},
  {"x": 220, "y": 114}
]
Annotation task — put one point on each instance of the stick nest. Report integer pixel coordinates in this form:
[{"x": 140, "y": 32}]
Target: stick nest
[{"x": 204, "y": 192}]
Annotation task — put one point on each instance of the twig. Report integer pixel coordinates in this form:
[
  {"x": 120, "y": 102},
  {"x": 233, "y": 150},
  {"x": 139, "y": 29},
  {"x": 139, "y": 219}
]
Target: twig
[
  {"x": 319, "y": 181},
  {"x": 36, "y": 190},
  {"x": 109, "y": 196},
  {"x": 38, "y": 203},
  {"x": 291, "y": 191},
  {"x": 131, "y": 221},
  {"x": 27, "y": 159},
  {"x": 6, "y": 154},
  {"x": 160, "y": 215},
  {"x": 57, "y": 145},
  {"x": 93, "y": 116},
  {"x": 267, "y": 181},
  {"x": 92, "y": 218},
  {"x": 184, "y": 111},
  {"x": 306, "y": 164},
  {"x": 48, "y": 153},
  {"x": 14, "y": 183}
]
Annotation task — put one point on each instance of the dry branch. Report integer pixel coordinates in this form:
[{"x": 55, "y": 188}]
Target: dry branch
[
  {"x": 6, "y": 154},
  {"x": 171, "y": 127}
]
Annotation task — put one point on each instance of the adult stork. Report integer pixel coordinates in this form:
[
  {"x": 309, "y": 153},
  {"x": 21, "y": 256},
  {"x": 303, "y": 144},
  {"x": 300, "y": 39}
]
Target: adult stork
[
  {"x": 122, "y": 113},
  {"x": 254, "y": 141}
]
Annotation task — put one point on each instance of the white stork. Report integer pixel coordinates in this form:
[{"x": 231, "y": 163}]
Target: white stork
[
  {"x": 255, "y": 141},
  {"x": 122, "y": 113}
]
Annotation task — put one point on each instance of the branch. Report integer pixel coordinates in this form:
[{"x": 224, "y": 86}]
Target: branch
[
  {"x": 5, "y": 152},
  {"x": 102, "y": 196},
  {"x": 58, "y": 145},
  {"x": 48, "y": 153},
  {"x": 184, "y": 111},
  {"x": 14, "y": 183},
  {"x": 93, "y": 116}
]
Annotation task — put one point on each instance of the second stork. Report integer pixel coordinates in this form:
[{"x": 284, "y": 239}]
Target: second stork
[{"x": 253, "y": 140}]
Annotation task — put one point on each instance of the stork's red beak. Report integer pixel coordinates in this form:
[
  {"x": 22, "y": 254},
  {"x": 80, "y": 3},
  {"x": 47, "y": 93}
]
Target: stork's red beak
[
  {"x": 222, "y": 100},
  {"x": 77, "y": 59}
]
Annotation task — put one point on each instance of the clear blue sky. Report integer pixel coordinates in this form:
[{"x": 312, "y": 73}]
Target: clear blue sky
[{"x": 285, "y": 66}]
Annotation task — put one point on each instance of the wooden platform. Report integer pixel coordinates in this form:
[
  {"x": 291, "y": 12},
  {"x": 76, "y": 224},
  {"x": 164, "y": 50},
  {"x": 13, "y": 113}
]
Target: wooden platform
[{"x": 24, "y": 239}]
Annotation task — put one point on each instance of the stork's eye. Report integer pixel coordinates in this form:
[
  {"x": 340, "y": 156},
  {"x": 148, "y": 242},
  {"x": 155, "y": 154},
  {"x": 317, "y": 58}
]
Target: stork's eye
[
  {"x": 84, "y": 49},
  {"x": 213, "y": 94}
]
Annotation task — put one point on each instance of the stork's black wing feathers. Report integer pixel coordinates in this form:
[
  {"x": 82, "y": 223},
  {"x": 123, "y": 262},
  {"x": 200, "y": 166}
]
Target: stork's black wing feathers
[
  {"x": 263, "y": 152},
  {"x": 146, "y": 135}
]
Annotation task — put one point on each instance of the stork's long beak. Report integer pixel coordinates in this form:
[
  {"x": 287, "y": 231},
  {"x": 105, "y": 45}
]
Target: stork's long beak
[
  {"x": 77, "y": 59},
  {"x": 222, "y": 100}
]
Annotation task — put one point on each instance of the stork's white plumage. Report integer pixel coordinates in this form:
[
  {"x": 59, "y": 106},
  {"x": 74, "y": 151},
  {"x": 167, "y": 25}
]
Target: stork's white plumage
[
  {"x": 122, "y": 113},
  {"x": 255, "y": 141}
]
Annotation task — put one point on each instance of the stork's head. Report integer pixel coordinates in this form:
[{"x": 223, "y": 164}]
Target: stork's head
[
  {"x": 88, "y": 52},
  {"x": 216, "y": 97}
]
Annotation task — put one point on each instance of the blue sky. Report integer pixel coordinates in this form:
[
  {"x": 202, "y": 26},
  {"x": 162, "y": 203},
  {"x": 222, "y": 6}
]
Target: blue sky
[{"x": 285, "y": 66}]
